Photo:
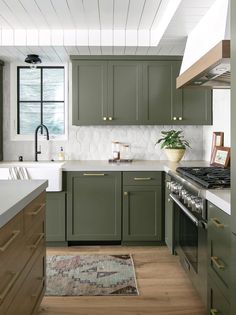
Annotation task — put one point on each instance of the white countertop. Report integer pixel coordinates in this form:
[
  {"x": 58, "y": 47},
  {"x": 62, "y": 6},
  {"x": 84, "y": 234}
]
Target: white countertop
[
  {"x": 136, "y": 165},
  {"x": 219, "y": 197},
  {"x": 15, "y": 195}
]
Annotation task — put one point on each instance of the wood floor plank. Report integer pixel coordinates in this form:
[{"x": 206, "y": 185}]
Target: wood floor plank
[{"x": 163, "y": 286}]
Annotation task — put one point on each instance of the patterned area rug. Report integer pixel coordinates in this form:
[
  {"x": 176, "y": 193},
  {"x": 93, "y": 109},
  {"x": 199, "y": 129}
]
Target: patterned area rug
[{"x": 91, "y": 275}]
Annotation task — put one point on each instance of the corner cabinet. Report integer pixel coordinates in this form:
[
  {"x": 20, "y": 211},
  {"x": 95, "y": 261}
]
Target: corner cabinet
[
  {"x": 94, "y": 206},
  {"x": 135, "y": 91},
  {"x": 142, "y": 207},
  {"x": 1, "y": 110}
]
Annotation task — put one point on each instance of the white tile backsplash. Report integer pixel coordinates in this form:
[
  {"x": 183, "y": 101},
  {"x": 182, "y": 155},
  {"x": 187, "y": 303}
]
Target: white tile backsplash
[{"x": 94, "y": 142}]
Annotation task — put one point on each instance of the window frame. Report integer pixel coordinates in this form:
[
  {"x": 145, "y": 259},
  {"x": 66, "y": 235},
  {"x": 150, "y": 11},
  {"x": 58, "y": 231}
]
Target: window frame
[{"x": 14, "y": 102}]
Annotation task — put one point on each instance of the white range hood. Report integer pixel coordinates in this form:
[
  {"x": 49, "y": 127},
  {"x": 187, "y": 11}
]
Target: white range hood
[{"x": 206, "y": 60}]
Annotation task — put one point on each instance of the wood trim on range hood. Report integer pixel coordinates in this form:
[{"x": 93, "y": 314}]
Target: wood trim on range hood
[{"x": 212, "y": 70}]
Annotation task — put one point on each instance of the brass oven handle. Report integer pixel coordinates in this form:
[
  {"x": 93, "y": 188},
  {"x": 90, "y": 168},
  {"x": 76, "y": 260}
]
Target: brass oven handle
[
  {"x": 35, "y": 245},
  {"x": 142, "y": 178},
  {"x": 36, "y": 212},
  {"x": 94, "y": 174},
  {"x": 8, "y": 243},
  {"x": 216, "y": 261},
  {"x": 35, "y": 295},
  {"x": 217, "y": 223},
  {"x": 214, "y": 311},
  {"x": 9, "y": 286}
]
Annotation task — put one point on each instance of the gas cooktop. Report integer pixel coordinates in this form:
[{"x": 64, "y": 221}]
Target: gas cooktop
[{"x": 208, "y": 177}]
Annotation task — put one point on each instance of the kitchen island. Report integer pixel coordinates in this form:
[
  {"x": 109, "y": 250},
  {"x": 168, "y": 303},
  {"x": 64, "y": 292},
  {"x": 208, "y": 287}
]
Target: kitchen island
[{"x": 22, "y": 246}]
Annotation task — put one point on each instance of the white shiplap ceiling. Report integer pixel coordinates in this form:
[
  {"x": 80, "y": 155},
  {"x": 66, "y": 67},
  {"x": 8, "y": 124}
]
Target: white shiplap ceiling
[{"x": 55, "y": 29}]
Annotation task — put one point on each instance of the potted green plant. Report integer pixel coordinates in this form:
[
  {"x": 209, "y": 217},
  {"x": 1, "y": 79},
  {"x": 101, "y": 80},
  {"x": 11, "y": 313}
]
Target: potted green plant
[{"x": 174, "y": 144}]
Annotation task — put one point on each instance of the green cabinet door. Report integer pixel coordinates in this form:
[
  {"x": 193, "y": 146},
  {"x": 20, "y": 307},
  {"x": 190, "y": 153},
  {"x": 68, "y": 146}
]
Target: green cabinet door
[
  {"x": 142, "y": 213},
  {"x": 169, "y": 217},
  {"x": 233, "y": 274},
  {"x": 55, "y": 216},
  {"x": 93, "y": 206},
  {"x": 217, "y": 303},
  {"x": 161, "y": 100},
  {"x": 124, "y": 92},
  {"x": 1, "y": 112},
  {"x": 89, "y": 92},
  {"x": 196, "y": 107}
]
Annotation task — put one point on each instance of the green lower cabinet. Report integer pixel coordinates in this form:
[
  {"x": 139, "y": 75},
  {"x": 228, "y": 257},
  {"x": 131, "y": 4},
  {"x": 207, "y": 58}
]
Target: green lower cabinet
[
  {"x": 217, "y": 303},
  {"x": 142, "y": 213},
  {"x": 56, "y": 217},
  {"x": 94, "y": 206},
  {"x": 169, "y": 217}
]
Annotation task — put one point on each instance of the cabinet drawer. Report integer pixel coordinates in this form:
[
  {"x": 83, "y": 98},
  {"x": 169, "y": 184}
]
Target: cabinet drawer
[
  {"x": 218, "y": 246},
  {"x": 142, "y": 178},
  {"x": 10, "y": 234},
  {"x": 32, "y": 288},
  {"x": 217, "y": 303},
  {"x": 34, "y": 212},
  {"x": 35, "y": 241}
]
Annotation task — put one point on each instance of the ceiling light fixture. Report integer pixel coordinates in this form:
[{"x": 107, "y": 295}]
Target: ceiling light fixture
[{"x": 33, "y": 60}]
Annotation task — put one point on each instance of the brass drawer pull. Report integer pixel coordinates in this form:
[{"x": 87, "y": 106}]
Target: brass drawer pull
[
  {"x": 35, "y": 245},
  {"x": 9, "y": 286},
  {"x": 8, "y": 243},
  {"x": 216, "y": 261},
  {"x": 217, "y": 223},
  {"x": 94, "y": 174},
  {"x": 35, "y": 295},
  {"x": 36, "y": 212},
  {"x": 214, "y": 311},
  {"x": 142, "y": 178}
]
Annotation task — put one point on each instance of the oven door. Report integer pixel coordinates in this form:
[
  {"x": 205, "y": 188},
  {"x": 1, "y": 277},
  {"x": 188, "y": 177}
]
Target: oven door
[
  {"x": 191, "y": 245},
  {"x": 186, "y": 234}
]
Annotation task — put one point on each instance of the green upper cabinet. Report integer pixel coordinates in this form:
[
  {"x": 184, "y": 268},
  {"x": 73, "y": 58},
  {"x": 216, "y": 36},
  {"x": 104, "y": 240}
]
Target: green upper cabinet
[
  {"x": 93, "y": 206},
  {"x": 124, "y": 92},
  {"x": 159, "y": 92},
  {"x": 89, "y": 92},
  {"x": 196, "y": 107},
  {"x": 1, "y": 110},
  {"x": 135, "y": 92}
]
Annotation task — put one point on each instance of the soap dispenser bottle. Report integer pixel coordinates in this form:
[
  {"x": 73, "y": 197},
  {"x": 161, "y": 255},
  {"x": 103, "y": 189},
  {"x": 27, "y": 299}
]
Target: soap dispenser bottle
[{"x": 61, "y": 155}]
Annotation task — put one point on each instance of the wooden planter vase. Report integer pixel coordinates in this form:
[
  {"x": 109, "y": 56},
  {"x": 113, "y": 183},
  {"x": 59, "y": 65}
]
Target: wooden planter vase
[{"x": 175, "y": 155}]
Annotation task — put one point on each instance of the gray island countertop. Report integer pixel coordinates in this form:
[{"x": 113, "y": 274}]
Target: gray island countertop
[
  {"x": 219, "y": 197},
  {"x": 16, "y": 194}
]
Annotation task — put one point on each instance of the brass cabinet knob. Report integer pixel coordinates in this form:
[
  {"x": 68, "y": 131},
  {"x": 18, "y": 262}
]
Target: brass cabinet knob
[
  {"x": 104, "y": 118},
  {"x": 125, "y": 193},
  {"x": 110, "y": 118},
  {"x": 174, "y": 118},
  {"x": 214, "y": 311},
  {"x": 180, "y": 118}
]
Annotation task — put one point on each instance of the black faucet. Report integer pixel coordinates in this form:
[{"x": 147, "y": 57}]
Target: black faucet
[{"x": 36, "y": 139}]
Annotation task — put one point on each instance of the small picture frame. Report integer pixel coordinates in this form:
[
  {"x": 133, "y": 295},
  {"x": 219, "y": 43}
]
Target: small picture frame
[
  {"x": 221, "y": 156},
  {"x": 217, "y": 140}
]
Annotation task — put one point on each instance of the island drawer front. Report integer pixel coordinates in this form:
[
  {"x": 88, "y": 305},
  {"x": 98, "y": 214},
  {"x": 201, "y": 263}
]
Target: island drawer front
[
  {"x": 35, "y": 241},
  {"x": 10, "y": 235},
  {"x": 219, "y": 246},
  {"x": 142, "y": 178},
  {"x": 34, "y": 284},
  {"x": 34, "y": 211}
]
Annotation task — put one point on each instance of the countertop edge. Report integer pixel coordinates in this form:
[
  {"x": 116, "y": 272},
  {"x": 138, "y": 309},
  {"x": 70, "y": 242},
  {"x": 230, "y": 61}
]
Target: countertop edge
[{"x": 6, "y": 216}]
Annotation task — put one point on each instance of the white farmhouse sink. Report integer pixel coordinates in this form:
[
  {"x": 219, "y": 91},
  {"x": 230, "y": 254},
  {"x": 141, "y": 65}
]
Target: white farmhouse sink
[{"x": 51, "y": 171}]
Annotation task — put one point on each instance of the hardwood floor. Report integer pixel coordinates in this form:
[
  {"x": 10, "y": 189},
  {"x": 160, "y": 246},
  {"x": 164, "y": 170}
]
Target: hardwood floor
[{"x": 164, "y": 288}]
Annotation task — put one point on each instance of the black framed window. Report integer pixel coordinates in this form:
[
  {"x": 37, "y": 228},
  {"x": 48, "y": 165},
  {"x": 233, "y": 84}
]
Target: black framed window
[{"x": 40, "y": 99}]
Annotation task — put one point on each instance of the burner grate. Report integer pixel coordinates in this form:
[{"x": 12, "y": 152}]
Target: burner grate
[{"x": 208, "y": 177}]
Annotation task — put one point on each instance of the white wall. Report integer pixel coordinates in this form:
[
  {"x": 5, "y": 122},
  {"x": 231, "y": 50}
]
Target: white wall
[
  {"x": 94, "y": 142},
  {"x": 221, "y": 121}
]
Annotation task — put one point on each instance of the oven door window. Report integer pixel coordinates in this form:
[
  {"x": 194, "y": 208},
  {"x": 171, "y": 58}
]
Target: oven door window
[{"x": 188, "y": 239}]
